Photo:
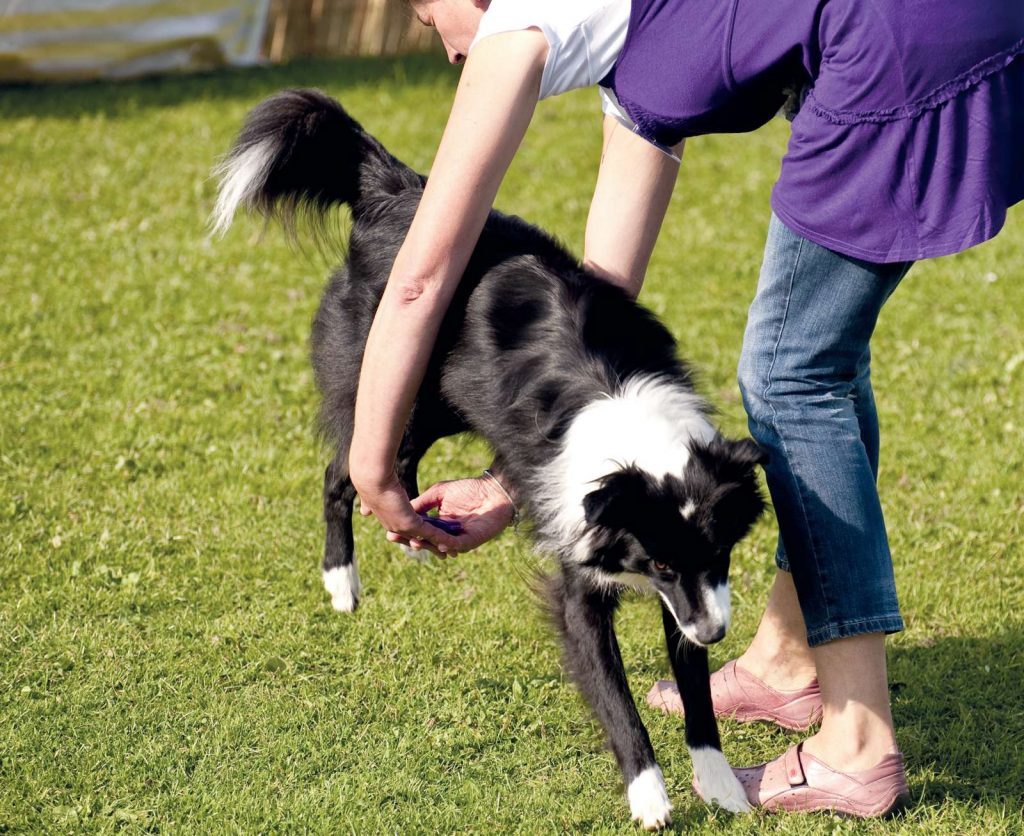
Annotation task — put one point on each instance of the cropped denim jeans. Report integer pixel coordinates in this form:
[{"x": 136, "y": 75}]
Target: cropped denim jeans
[{"x": 806, "y": 383}]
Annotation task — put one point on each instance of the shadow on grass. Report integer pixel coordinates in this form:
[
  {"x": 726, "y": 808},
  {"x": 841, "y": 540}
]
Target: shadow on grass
[
  {"x": 958, "y": 704},
  {"x": 111, "y": 99}
]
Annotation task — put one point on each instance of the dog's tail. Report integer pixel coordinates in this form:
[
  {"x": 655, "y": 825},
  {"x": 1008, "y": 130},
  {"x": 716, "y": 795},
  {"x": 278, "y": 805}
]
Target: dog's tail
[{"x": 300, "y": 152}]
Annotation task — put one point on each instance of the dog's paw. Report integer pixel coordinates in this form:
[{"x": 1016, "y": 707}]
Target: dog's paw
[
  {"x": 732, "y": 798},
  {"x": 717, "y": 781},
  {"x": 342, "y": 582},
  {"x": 416, "y": 554},
  {"x": 648, "y": 799}
]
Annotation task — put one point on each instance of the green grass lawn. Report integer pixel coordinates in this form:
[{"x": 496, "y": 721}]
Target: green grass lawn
[{"x": 168, "y": 658}]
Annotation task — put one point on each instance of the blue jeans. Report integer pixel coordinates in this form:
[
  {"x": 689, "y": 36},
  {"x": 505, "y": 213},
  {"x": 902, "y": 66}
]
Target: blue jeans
[{"x": 805, "y": 379}]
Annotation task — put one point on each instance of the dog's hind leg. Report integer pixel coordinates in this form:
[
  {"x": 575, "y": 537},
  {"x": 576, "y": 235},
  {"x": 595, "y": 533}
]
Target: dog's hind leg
[
  {"x": 409, "y": 455},
  {"x": 430, "y": 421},
  {"x": 341, "y": 577},
  {"x": 717, "y": 781},
  {"x": 340, "y": 573},
  {"x": 593, "y": 659}
]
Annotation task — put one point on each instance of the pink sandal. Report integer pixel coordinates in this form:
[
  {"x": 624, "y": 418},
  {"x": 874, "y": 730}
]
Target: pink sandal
[
  {"x": 797, "y": 782},
  {"x": 739, "y": 694}
]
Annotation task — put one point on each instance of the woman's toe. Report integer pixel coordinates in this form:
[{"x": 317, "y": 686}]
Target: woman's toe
[{"x": 664, "y": 696}]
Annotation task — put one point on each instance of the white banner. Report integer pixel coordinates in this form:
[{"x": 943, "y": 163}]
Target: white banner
[{"x": 83, "y": 39}]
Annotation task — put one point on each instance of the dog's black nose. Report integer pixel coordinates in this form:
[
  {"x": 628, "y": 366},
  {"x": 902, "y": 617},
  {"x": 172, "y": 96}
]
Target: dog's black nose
[{"x": 717, "y": 636}]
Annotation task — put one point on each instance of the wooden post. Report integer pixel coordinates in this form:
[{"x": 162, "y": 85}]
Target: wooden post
[{"x": 332, "y": 28}]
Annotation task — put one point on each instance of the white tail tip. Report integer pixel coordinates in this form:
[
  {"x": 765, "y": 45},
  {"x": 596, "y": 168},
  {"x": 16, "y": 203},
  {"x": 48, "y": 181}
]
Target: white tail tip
[{"x": 241, "y": 177}]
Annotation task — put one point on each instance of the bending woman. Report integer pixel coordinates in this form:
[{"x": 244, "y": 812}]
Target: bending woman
[{"x": 906, "y": 144}]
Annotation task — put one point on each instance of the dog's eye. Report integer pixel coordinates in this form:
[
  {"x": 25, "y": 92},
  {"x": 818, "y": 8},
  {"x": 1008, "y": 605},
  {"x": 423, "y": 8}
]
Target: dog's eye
[{"x": 661, "y": 567}]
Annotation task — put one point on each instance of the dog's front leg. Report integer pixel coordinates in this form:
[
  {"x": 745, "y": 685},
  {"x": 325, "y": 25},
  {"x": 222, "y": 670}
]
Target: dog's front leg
[
  {"x": 690, "y": 666},
  {"x": 593, "y": 659}
]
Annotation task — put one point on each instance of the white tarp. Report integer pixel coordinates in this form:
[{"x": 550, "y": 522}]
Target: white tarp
[{"x": 82, "y": 39}]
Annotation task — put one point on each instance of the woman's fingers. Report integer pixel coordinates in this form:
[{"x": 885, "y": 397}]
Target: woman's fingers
[
  {"x": 414, "y": 543},
  {"x": 426, "y": 536},
  {"x": 431, "y": 498},
  {"x": 402, "y": 521},
  {"x": 426, "y": 544},
  {"x": 480, "y": 515}
]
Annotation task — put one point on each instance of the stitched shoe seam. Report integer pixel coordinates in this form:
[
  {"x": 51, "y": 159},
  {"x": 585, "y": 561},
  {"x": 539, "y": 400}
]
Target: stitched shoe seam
[
  {"x": 831, "y": 801},
  {"x": 781, "y": 693}
]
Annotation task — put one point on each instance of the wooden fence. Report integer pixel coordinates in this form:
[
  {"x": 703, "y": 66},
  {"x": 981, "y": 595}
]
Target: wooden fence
[
  {"x": 327, "y": 28},
  {"x": 73, "y": 40}
]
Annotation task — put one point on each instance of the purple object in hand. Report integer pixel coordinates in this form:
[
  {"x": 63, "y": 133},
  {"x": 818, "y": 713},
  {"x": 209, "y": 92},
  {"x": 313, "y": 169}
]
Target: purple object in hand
[{"x": 448, "y": 526}]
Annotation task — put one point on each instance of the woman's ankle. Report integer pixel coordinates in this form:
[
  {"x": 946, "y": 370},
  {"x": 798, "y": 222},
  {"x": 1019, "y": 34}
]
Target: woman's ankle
[
  {"x": 783, "y": 669},
  {"x": 856, "y": 727},
  {"x": 779, "y": 655},
  {"x": 850, "y": 748}
]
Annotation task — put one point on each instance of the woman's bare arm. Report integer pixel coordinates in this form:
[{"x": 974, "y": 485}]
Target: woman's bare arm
[
  {"x": 634, "y": 186},
  {"x": 493, "y": 106}
]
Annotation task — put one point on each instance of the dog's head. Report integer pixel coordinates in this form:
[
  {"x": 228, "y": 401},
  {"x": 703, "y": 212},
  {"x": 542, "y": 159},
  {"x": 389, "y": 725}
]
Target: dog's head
[{"x": 677, "y": 532}]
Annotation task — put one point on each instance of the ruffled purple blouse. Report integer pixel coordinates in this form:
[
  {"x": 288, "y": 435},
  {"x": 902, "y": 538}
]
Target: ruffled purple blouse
[{"x": 909, "y": 142}]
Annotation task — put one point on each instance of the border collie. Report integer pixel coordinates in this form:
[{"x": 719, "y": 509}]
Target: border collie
[{"x": 592, "y": 417}]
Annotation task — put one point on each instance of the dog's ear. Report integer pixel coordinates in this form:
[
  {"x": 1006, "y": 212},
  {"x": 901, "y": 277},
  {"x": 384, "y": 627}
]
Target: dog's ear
[
  {"x": 620, "y": 499},
  {"x": 734, "y": 510},
  {"x": 726, "y": 460},
  {"x": 736, "y": 500},
  {"x": 747, "y": 452}
]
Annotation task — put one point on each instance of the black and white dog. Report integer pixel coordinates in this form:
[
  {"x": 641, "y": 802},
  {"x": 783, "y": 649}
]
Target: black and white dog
[{"x": 578, "y": 390}]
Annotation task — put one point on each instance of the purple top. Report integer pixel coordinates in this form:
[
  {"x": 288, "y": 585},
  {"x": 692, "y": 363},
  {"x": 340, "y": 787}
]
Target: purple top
[{"x": 909, "y": 143}]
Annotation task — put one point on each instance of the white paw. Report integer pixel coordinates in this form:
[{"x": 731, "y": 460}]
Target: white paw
[
  {"x": 415, "y": 554},
  {"x": 648, "y": 799},
  {"x": 343, "y": 584},
  {"x": 718, "y": 783}
]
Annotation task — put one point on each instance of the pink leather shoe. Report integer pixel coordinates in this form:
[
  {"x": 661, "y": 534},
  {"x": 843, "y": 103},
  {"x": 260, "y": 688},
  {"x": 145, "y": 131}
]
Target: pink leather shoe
[
  {"x": 797, "y": 782},
  {"x": 739, "y": 694}
]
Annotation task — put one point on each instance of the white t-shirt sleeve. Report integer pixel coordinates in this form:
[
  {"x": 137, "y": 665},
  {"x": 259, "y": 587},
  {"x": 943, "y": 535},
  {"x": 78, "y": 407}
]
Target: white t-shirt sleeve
[
  {"x": 584, "y": 36},
  {"x": 610, "y": 107}
]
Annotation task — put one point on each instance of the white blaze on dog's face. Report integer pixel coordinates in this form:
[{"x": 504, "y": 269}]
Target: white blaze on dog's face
[
  {"x": 678, "y": 532},
  {"x": 706, "y": 622}
]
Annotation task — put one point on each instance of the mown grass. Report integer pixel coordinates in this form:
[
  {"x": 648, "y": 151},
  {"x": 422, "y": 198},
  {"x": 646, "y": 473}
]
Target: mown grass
[{"x": 168, "y": 659}]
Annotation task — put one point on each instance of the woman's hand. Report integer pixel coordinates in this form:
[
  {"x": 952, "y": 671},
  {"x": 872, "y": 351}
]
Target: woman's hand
[
  {"x": 478, "y": 505},
  {"x": 389, "y": 503}
]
